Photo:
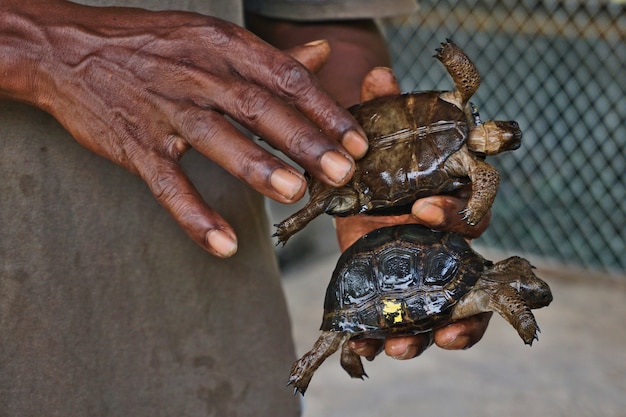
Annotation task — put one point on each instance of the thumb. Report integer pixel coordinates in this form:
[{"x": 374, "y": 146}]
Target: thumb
[
  {"x": 379, "y": 82},
  {"x": 312, "y": 55}
]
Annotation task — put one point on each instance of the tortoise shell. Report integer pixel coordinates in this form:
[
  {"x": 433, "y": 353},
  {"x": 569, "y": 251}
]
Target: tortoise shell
[
  {"x": 420, "y": 144},
  {"x": 406, "y": 163},
  {"x": 400, "y": 279}
]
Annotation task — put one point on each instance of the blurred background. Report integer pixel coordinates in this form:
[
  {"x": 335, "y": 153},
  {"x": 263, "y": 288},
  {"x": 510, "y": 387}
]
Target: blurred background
[{"x": 559, "y": 69}]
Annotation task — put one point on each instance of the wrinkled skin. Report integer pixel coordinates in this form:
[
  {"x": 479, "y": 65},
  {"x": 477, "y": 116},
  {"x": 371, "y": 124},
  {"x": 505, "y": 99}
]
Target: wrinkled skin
[{"x": 176, "y": 74}]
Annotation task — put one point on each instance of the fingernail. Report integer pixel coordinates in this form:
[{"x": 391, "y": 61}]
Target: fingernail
[
  {"x": 429, "y": 213},
  {"x": 355, "y": 143},
  {"x": 336, "y": 166},
  {"x": 453, "y": 344},
  {"x": 222, "y": 243},
  {"x": 286, "y": 183},
  {"x": 409, "y": 352},
  {"x": 316, "y": 43}
]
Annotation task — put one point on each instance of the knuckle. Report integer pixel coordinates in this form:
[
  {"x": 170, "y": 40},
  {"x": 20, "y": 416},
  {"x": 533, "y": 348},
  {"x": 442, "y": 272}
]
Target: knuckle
[
  {"x": 176, "y": 147},
  {"x": 253, "y": 103},
  {"x": 163, "y": 183},
  {"x": 195, "y": 124},
  {"x": 300, "y": 143},
  {"x": 292, "y": 79},
  {"x": 167, "y": 188}
]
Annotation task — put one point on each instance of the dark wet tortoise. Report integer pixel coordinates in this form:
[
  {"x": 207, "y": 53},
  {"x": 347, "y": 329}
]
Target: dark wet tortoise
[
  {"x": 408, "y": 279},
  {"x": 421, "y": 144}
]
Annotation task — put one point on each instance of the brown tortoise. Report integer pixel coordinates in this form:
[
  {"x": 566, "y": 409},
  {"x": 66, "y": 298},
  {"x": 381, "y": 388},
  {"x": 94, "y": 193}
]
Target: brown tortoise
[
  {"x": 408, "y": 279},
  {"x": 421, "y": 144}
]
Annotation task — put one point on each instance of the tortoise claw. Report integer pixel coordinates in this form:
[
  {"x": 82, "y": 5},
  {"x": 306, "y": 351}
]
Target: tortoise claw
[
  {"x": 531, "y": 340},
  {"x": 297, "y": 388},
  {"x": 281, "y": 238},
  {"x": 535, "y": 337},
  {"x": 465, "y": 216}
]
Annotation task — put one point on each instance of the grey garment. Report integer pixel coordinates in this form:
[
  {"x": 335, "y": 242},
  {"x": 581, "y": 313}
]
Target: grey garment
[
  {"x": 311, "y": 10},
  {"x": 107, "y": 308},
  {"x": 231, "y": 10}
]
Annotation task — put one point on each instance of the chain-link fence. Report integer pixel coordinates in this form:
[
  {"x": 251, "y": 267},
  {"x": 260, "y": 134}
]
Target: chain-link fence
[{"x": 559, "y": 69}]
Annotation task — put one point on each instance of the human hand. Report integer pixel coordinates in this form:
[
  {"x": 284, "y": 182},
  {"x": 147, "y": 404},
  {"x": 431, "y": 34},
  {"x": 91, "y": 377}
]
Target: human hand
[
  {"x": 140, "y": 88},
  {"x": 436, "y": 212}
]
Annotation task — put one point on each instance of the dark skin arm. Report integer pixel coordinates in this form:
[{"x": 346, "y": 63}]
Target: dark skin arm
[
  {"x": 356, "y": 48},
  {"x": 141, "y": 87}
]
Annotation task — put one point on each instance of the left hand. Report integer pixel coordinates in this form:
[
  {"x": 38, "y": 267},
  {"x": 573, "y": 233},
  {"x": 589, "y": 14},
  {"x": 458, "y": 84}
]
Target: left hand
[{"x": 436, "y": 212}]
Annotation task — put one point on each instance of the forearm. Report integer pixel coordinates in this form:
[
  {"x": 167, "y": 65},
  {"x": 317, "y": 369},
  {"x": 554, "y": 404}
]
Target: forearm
[
  {"x": 22, "y": 49},
  {"x": 356, "y": 48},
  {"x": 42, "y": 43}
]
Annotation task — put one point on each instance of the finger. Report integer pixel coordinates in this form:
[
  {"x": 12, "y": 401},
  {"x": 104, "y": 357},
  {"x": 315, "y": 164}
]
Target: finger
[
  {"x": 437, "y": 212},
  {"x": 443, "y": 213},
  {"x": 286, "y": 129},
  {"x": 176, "y": 193},
  {"x": 379, "y": 82},
  {"x": 408, "y": 347},
  {"x": 464, "y": 333},
  {"x": 312, "y": 55},
  {"x": 217, "y": 139},
  {"x": 351, "y": 228},
  {"x": 369, "y": 348},
  {"x": 291, "y": 81}
]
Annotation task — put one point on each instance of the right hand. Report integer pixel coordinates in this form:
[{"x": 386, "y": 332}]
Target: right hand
[
  {"x": 438, "y": 212},
  {"x": 140, "y": 88}
]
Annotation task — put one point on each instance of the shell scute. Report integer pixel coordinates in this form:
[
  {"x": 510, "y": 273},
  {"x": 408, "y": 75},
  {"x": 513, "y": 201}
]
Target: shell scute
[{"x": 399, "y": 279}]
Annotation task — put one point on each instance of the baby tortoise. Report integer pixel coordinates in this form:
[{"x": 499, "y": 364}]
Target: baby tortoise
[
  {"x": 408, "y": 279},
  {"x": 420, "y": 144}
]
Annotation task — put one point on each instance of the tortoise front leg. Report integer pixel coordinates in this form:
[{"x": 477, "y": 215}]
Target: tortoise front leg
[
  {"x": 303, "y": 369},
  {"x": 510, "y": 305},
  {"x": 485, "y": 180}
]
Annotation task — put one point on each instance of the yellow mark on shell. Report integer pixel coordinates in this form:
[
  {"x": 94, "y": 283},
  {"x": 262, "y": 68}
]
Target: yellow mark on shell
[{"x": 392, "y": 309}]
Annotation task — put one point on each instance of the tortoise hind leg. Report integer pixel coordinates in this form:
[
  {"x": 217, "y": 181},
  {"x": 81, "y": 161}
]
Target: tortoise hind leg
[
  {"x": 462, "y": 70},
  {"x": 303, "y": 369},
  {"x": 351, "y": 362},
  {"x": 340, "y": 201},
  {"x": 294, "y": 223}
]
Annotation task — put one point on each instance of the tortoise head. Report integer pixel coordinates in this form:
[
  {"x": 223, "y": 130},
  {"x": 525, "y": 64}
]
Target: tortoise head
[
  {"x": 519, "y": 274},
  {"x": 494, "y": 136}
]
